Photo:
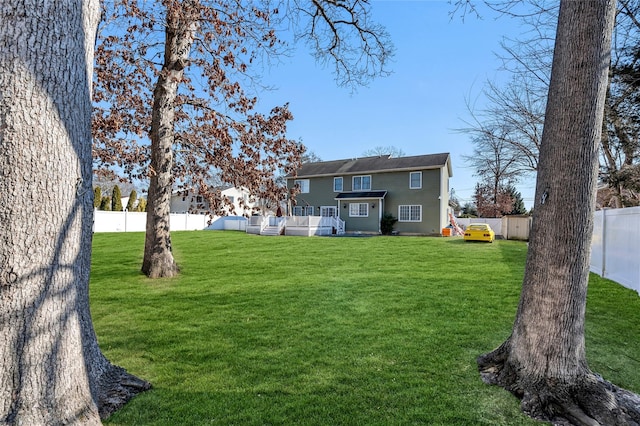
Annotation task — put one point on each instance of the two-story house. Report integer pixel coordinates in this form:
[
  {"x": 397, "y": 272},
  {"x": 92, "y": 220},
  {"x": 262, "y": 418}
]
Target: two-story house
[{"x": 359, "y": 191}]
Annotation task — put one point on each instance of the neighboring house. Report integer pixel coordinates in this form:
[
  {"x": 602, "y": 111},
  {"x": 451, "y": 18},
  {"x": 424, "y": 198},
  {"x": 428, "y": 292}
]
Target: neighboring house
[
  {"x": 415, "y": 190},
  {"x": 193, "y": 203}
]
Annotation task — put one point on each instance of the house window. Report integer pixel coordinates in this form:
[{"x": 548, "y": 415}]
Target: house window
[
  {"x": 302, "y": 184},
  {"x": 328, "y": 211},
  {"x": 359, "y": 210},
  {"x": 409, "y": 213},
  {"x": 231, "y": 198},
  {"x": 361, "y": 183},
  {"x": 337, "y": 184},
  {"x": 303, "y": 210},
  {"x": 415, "y": 180}
]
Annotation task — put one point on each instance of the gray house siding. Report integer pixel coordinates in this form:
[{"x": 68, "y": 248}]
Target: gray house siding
[
  {"x": 392, "y": 176},
  {"x": 397, "y": 185},
  {"x": 369, "y": 224},
  {"x": 320, "y": 193}
]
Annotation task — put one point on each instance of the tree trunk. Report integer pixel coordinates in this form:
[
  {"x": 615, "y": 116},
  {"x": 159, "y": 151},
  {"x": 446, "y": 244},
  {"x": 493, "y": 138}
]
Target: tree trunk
[
  {"x": 158, "y": 259},
  {"x": 543, "y": 362},
  {"x": 52, "y": 371}
]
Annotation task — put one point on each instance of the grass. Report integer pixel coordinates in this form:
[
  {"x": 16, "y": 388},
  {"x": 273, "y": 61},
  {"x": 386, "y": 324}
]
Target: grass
[{"x": 328, "y": 331}]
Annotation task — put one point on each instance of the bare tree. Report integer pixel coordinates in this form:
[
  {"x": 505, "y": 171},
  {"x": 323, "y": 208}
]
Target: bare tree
[
  {"x": 543, "y": 362},
  {"x": 52, "y": 370},
  {"x": 514, "y": 116},
  {"x": 384, "y": 150},
  {"x": 343, "y": 35},
  {"x": 512, "y": 122},
  {"x": 620, "y": 155},
  {"x": 515, "y": 113}
]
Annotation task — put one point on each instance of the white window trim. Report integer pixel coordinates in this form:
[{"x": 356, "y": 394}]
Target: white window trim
[
  {"x": 325, "y": 209},
  {"x": 303, "y": 210},
  {"x": 415, "y": 187},
  {"x": 353, "y": 183},
  {"x": 410, "y": 211},
  {"x": 301, "y": 184},
  {"x": 359, "y": 205},
  {"x": 334, "y": 184}
]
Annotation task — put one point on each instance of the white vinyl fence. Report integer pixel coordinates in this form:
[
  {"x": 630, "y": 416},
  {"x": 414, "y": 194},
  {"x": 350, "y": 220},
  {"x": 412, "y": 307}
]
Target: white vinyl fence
[
  {"x": 105, "y": 221},
  {"x": 615, "y": 249},
  {"x": 494, "y": 223}
]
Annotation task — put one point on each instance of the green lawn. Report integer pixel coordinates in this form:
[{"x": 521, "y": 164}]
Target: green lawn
[{"x": 328, "y": 331}]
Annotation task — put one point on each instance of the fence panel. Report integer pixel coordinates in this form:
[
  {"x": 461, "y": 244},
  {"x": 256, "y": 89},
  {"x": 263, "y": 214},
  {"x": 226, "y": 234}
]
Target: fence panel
[
  {"x": 615, "y": 250},
  {"x": 107, "y": 221},
  {"x": 494, "y": 223}
]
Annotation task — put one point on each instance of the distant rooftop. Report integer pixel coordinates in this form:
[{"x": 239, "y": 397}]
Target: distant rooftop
[{"x": 383, "y": 163}]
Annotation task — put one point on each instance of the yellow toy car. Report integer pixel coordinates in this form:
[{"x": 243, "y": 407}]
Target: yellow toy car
[{"x": 479, "y": 232}]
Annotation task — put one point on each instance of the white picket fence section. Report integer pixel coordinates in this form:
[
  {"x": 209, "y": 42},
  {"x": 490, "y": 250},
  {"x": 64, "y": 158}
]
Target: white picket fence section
[
  {"x": 615, "y": 249},
  {"x": 105, "y": 221}
]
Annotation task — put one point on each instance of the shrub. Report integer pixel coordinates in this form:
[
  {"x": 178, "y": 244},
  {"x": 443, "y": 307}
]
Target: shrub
[
  {"x": 105, "y": 203},
  {"x": 132, "y": 200},
  {"x": 97, "y": 197},
  {"x": 116, "y": 199},
  {"x": 386, "y": 223},
  {"x": 142, "y": 205}
]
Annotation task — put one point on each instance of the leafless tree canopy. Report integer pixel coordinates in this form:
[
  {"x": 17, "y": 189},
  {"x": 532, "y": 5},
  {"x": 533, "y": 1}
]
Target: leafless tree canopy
[
  {"x": 342, "y": 35},
  {"x": 515, "y": 112}
]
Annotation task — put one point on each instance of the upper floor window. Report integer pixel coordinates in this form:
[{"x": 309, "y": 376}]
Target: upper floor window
[
  {"x": 337, "y": 184},
  {"x": 361, "y": 183},
  {"x": 302, "y": 184},
  {"x": 415, "y": 180}
]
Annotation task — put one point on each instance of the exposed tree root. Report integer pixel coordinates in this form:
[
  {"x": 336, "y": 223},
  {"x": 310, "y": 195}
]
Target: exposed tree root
[
  {"x": 115, "y": 388},
  {"x": 588, "y": 400}
]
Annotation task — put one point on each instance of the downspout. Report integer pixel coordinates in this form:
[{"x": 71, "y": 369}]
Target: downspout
[{"x": 380, "y": 200}]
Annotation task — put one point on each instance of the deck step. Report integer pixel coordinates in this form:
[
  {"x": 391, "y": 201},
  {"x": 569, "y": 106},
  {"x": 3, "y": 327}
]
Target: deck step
[{"x": 270, "y": 231}]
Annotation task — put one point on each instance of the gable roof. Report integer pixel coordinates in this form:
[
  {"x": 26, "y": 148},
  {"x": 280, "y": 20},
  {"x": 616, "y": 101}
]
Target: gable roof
[{"x": 375, "y": 164}]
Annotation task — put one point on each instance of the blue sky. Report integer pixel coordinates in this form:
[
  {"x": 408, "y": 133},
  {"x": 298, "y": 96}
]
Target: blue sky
[{"x": 440, "y": 65}]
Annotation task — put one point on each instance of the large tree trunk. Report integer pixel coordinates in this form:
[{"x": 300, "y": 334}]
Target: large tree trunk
[
  {"x": 543, "y": 361},
  {"x": 158, "y": 259},
  {"x": 52, "y": 371}
]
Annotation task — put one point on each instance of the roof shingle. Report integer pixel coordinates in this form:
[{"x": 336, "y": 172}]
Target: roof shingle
[{"x": 372, "y": 164}]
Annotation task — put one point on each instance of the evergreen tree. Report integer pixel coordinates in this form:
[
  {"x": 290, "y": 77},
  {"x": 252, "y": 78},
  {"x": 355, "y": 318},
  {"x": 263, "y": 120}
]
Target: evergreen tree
[
  {"x": 142, "y": 205},
  {"x": 97, "y": 197},
  {"x": 116, "y": 199},
  {"x": 469, "y": 210},
  {"x": 518, "y": 203},
  {"x": 105, "y": 203},
  {"x": 132, "y": 200}
]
